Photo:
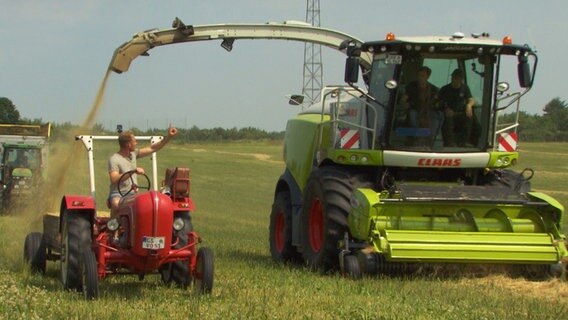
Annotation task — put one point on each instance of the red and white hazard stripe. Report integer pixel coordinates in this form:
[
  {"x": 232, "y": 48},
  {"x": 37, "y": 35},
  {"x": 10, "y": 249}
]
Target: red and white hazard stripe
[
  {"x": 508, "y": 141},
  {"x": 349, "y": 139}
]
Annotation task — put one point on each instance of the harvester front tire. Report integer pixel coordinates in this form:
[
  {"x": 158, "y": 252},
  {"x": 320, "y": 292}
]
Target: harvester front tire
[
  {"x": 280, "y": 232},
  {"x": 89, "y": 276},
  {"x": 204, "y": 271},
  {"x": 34, "y": 252},
  {"x": 75, "y": 239},
  {"x": 324, "y": 216}
]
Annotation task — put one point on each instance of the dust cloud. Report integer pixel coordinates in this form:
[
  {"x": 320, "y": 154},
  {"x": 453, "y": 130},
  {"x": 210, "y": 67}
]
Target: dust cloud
[
  {"x": 66, "y": 174},
  {"x": 76, "y": 152}
]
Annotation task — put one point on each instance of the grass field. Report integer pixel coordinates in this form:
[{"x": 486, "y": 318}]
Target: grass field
[{"x": 232, "y": 185}]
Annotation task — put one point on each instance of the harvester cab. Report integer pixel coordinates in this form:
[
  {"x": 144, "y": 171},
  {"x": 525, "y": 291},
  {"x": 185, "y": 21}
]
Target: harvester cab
[
  {"x": 442, "y": 94},
  {"x": 412, "y": 166}
]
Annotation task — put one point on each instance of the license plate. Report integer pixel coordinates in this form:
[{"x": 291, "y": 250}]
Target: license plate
[{"x": 153, "y": 243}]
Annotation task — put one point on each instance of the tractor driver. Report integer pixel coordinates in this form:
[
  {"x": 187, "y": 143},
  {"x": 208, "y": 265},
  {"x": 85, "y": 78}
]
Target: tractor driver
[{"x": 125, "y": 160}]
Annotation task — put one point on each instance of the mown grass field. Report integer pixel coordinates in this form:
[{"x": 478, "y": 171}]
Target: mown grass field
[{"x": 232, "y": 185}]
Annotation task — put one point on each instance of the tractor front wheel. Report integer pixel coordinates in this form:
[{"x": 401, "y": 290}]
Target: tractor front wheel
[
  {"x": 34, "y": 251},
  {"x": 280, "y": 232},
  {"x": 75, "y": 239},
  {"x": 89, "y": 276},
  {"x": 324, "y": 216},
  {"x": 204, "y": 271},
  {"x": 179, "y": 271}
]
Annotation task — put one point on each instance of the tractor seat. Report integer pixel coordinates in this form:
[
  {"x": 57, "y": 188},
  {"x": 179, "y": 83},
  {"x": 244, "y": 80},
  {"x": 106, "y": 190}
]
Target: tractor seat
[{"x": 177, "y": 181}]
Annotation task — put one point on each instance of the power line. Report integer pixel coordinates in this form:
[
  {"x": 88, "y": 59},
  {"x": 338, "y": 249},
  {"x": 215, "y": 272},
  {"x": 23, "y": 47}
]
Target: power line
[{"x": 313, "y": 67}]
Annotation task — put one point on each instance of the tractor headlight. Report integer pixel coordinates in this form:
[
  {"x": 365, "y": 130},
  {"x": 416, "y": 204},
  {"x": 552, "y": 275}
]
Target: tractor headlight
[
  {"x": 178, "y": 224},
  {"x": 112, "y": 224}
]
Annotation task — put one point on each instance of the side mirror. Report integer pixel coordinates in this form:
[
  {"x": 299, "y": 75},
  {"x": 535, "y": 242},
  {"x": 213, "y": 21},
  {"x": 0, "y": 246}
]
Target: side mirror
[
  {"x": 524, "y": 72},
  {"x": 351, "y": 69},
  {"x": 353, "y": 52},
  {"x": 296, "y": 100}
]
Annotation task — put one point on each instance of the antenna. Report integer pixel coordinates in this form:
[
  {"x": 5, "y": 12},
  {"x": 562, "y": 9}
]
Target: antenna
[{"x": 313, "y": 67}]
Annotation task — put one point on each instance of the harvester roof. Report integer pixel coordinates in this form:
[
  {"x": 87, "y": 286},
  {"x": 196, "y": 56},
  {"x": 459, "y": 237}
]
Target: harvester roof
[{"x": 457, "y": 42}]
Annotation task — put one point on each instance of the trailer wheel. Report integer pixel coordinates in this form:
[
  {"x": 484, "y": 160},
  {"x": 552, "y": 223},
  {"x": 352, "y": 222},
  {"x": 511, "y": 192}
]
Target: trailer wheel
[
  {"x": 34, "y": 252},
  {"x": 204, "y": 271},
  {"x": 280, "y": 232},
  {"x": 352, "y": 267},
  {"x": 179, "y": 271},
  {"x": 75, "y": 238},
  {"x": 324, "y": 216},
  {"x": 89, "y": 276}
]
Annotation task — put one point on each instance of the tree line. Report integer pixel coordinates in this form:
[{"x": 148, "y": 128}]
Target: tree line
[
  {"x": 9, "y": 114},
  {"x": 551, "y": 126},
  {"x": 62, "y": 131}
]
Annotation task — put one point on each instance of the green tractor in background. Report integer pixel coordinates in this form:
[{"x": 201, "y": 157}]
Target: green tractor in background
[
  {"x": 23, "y": 163},
  {"x": 373, "y": 185}
]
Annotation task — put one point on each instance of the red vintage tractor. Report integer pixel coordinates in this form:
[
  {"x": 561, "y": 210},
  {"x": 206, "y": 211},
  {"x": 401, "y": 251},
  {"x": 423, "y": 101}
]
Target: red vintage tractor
[{"x": 152, "y": 233}]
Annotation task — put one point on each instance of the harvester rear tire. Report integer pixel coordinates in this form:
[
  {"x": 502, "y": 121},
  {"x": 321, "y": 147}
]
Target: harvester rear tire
[
  {"x": 204, "y": 270},
  {"x": 324, "y": 216},
  {"x": 89, "y": 275},
  {"x": 280, "y": 232},
  {"x": 75, "y": 239},
  {"x": 35, "y": 252}
]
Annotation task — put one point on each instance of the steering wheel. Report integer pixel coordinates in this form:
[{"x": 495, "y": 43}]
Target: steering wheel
[{"x": 133, "y": 186}]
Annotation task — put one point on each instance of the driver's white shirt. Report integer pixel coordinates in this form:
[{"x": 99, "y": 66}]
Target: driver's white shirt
[{"x": 121, "y": 164}]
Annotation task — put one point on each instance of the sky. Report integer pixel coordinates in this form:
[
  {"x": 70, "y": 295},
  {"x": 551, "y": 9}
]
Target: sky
[{"x": 54, "y": 55}]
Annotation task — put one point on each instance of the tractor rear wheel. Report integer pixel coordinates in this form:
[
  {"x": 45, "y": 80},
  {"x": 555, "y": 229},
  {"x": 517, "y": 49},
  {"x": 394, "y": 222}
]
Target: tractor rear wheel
[
  {"x": 179, "y": 271},
  {"x": 204, "y": 271},
  {"x": 324, "y": 215},
  {"x": 89, "y": 276},
  {"x": 34, "y": 252},
  {"x": 75, "y": 239},
  {"x": 280, "y": 232}
]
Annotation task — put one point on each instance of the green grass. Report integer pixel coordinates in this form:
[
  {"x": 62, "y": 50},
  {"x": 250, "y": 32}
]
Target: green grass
[{"x": 232, "y": 185}]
